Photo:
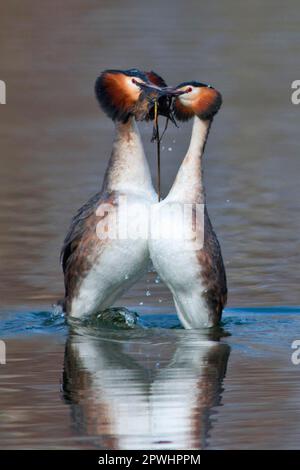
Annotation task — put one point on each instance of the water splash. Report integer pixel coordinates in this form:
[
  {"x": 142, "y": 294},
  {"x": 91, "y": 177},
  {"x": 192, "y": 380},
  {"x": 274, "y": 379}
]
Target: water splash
[
  {"x": 266, "y": 322},
  {"x": 29, "y": 323},
  {"x": 117, "y": 317}
]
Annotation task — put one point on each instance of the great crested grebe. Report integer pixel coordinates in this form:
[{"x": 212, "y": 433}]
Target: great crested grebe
[
  {"x": 99, "y": 269},
  {"x": 194, "y": 273}
]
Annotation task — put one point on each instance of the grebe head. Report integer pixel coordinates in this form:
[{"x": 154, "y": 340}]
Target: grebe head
[
  {"x": 125, "y": 93},
  {"x": 195, "y": 98}
]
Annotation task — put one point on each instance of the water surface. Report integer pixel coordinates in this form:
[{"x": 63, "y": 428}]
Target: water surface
[{"x": 153, "y": 386}]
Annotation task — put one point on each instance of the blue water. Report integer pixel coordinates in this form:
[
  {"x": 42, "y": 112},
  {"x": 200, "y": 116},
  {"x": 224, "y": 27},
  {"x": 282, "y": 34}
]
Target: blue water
[
  {"x": 54, "y": 321},
  {"x": 269, "y": 325}
]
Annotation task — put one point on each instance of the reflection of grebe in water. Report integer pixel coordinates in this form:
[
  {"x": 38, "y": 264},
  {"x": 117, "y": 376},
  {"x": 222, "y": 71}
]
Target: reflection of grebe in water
[{"x": 152, "y": 391}]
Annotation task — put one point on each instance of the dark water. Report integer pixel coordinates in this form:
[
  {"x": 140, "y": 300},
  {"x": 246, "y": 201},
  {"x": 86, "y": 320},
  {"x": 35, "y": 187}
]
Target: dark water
[{"x": 153, "y": 386}]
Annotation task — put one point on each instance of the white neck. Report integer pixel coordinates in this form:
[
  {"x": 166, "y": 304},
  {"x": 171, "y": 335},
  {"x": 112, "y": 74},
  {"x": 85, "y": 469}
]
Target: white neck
[
  {"x": 128, "y": 169},
  {"x": 188, "y": 185}
]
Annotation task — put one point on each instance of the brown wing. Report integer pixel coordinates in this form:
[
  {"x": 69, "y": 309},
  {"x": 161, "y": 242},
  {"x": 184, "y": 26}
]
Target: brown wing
[
  {"x": 81, "y": 243},
  {"x": 76, "y": 230},
  {"x": 213, "y": 271}
]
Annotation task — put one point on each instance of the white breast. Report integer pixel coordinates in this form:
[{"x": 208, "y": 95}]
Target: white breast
[
  {"x": 173, "y": 250},
  {"x": 120, "y": 261}
]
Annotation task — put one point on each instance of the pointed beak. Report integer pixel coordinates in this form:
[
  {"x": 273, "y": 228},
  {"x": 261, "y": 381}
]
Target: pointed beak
[
  {"x": 166, "y": 91},
  {"x": 170, "y": 91},
  {"x": 149, "y": 88},
  {"x": 163, "y": 96}
]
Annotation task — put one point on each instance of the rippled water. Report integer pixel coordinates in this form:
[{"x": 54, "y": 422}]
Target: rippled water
[{"x": 153, "y": 385}]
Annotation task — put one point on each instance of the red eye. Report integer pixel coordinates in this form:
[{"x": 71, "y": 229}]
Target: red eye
[
  {"x": 189, "y": 89},
  {"x": 134, "y": 81}
]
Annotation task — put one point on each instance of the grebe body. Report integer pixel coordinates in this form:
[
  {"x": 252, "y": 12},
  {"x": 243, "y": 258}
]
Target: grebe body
[
  {"x": 98, "y": 268},
  {"x": 188, "y": 256}
]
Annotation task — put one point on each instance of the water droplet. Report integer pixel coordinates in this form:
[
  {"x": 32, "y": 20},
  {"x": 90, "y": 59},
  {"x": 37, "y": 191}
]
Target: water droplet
[
  {"x": 163, "y": 147},
  {"x": 141, "y": 303},
  {"x": 227, "y": 200},
  {"x": 160, "y": 301},
  {"x": 170, "y": 149},
  {"x": 148, "y": 293},
  {"x": 174, "y": 141},
  {"x": 157, "y": 280},
  {"x": 126, "y": 276},
  {"x": 57, "y": 310}
]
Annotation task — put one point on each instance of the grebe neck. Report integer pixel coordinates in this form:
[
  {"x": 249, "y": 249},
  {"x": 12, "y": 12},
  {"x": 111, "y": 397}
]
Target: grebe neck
[
  {"x": 128, "y": 169},
  {"x": 188, "y": 185}
]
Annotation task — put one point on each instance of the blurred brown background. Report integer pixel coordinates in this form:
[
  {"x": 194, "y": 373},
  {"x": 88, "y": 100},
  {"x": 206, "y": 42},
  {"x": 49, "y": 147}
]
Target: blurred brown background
[{"x": 55, "y": 142}]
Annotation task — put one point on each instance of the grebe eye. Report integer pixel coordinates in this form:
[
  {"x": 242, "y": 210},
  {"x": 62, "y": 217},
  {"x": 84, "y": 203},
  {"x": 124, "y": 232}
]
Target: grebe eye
[{"x": 189, "y": 89}]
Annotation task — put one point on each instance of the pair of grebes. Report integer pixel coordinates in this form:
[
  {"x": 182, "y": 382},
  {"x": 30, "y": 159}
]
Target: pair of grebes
[{"x": 99, "y": 269}]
